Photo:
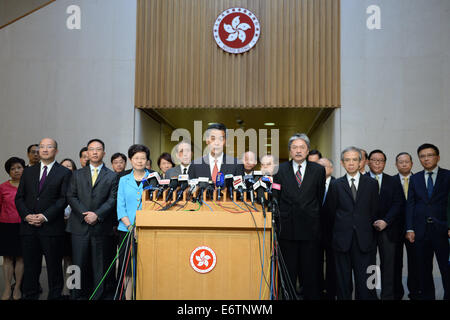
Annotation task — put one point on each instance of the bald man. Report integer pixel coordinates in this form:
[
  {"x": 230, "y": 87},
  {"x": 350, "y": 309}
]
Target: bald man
[{"x": 40, "y": 201}]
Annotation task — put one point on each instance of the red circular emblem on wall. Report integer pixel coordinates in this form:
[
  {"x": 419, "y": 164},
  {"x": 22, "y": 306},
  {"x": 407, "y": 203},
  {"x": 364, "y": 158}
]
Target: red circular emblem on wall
[
  {"x": 236, "y": 30},
  {"x": 203, "y": 259}
]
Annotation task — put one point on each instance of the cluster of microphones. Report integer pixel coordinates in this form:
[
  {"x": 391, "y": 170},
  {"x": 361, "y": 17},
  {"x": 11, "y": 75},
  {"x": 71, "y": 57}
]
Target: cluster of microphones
[{"x": 257, "y": 188}]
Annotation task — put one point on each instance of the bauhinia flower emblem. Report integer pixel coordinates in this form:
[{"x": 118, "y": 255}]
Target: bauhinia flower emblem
[
  {"x": 202, "y": 259},
  {"x": 236, "y": 29}
]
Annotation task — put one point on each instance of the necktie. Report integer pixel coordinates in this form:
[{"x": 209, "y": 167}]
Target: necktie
[
  {"x": 379, "y": 185},
  {"x": 94, "y": 176},
  {"x": 430, "y": 184},
  {"x": 298, "y": 176},
  {"x": 184, "y": 170},
  {"x": 215, "y": 170},
  {"x": 353, "y": 188},
  {"x": 44, "y": 176},
  {"x": 325, "y": 195},
  {"x": 405, "y": 186}
]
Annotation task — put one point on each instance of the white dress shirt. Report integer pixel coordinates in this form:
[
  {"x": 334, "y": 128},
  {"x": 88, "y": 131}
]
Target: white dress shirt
[
  {"x": 211, "y": 162},
  {"x": 99, "y": 168},
  {"x": 183, "y": 167},
  {"x": 378, "y": 177},
  {"x": 402, "y": 178},
  {"x": 49, "y": 167},
  {"x": 433, "y": 176},
  {"x": 302, "y": 168},
  {"x": 356, "y": 182}
]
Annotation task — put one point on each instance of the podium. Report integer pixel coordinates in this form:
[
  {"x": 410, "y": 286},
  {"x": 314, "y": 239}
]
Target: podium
[{"x": 215, "y": 251}]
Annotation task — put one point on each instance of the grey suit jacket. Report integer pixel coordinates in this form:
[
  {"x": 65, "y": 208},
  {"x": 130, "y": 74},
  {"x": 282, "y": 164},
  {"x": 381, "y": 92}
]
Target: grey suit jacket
[
  {"x": 100, "y": 198},
  {"x": 176, "y": 171}
]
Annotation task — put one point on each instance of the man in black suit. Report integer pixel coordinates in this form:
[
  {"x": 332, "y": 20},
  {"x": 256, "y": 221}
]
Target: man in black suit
[
  {"x": 40, "y": 201},
  {"x": 326, "y": 254},
  {"x": 426, "y": 220},
  {"x": 92, "y": 195},
  {"x": 183, "y": 152},
  {"x": 216, "y": 160},
  {"x": 404, "y": 163},
  {"x": 353, "y": 199},
  {"x": 389, "y": 223},
  {"x": 300, "y": 200}
]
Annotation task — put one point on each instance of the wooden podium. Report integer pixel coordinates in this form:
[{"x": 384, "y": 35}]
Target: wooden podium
[{"x": 167, "y": 239}]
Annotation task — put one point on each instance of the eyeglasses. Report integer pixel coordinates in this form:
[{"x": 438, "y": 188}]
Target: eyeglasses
[
  {"x": 95, "y": 149},
  {"x": 377, "y": 161},
  {"x": 428, "y": 155},
  {"x": 49, "y": 147}
]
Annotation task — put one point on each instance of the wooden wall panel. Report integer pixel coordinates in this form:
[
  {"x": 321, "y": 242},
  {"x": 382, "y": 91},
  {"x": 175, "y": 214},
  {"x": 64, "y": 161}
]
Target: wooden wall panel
[{"x": 295, "y": 63}]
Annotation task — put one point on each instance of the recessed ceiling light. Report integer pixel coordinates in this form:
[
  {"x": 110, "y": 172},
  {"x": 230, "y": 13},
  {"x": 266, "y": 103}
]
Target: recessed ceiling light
[
  {"x": 268, "y": 145},
  {"x": 269, "y": 124}
]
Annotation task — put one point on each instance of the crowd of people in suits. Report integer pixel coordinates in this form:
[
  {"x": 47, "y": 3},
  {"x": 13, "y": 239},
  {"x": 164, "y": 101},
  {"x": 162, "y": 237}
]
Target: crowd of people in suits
[{"x": 329, "y": 229}]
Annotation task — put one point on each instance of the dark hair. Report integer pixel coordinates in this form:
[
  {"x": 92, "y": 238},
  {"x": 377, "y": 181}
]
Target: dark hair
[
  {"x": 377, "y": 151},
  {"x": 74, "y": 166},
  {"x": 402, "y": 154},
  {"x": 117, "y": 155},
  {"x": 31, "y": 146},
  {"x": 428, "y": 146},
  {"x": 315, "y": 151},
  {"x": 217, "y": 126},
  {"x": 135, "y": 148},
  {"x": 11, "y": 161},
  {"x": 96, "y": 140},
  {"x": 166, "y": 156},
  {"x": 84, "y": 149}
]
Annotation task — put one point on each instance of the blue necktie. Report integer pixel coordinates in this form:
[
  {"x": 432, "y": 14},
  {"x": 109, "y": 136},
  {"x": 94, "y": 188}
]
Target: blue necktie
[{"x": 430, "y": 184}]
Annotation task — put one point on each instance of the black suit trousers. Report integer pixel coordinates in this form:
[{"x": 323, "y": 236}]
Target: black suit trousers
[
  {"x": 33, "y": 247},
  {"x": 357, "y": 261},
  {"x": 387, "y": 251},
  {"x": 303, "y": 256},
  {"x": 92, "y": 253}
]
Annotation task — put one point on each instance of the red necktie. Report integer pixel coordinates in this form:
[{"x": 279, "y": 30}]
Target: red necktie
[{"x": 215, "y": 170}]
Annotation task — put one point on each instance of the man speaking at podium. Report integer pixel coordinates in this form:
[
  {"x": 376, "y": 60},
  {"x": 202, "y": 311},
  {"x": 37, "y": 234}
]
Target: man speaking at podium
[
  {"x": 216, "y": 160},
  {"x": 300, "y": 200}
]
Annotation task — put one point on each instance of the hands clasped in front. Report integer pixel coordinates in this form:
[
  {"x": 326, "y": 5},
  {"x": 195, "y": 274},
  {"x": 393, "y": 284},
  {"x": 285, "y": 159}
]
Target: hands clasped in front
[
  {"x": 35, "y": 219},
  {"x": 90, "y": 217}
]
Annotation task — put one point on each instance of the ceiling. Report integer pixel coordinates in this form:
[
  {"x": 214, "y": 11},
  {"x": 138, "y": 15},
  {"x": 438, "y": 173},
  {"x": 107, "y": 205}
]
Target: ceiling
[{"x": 287, "y": 120}]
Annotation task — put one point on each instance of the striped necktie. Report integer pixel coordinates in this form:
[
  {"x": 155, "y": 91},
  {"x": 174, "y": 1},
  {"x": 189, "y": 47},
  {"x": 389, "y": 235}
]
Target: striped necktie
[{"x": 298, "y": 176}]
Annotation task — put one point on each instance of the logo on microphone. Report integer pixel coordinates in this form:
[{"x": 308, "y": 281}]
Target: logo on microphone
[
  {"x": 203, "y": 259},
  {"x": 236, "y": 30}
]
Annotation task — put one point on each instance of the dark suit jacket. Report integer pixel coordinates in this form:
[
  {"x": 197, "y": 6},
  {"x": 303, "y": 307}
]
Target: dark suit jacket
[
  {"x": 390, "y": 208},
  {"x": 300, "y": 207},
  {"x": 326, "y": 218},
  {"x": 230, "y": 165},
  {"x": 419, "y": 206},
  {"x": 176, "y": 171},
  {"x": 350, "y": 215},
  {"x": 100, "y": 198},
  {"x": 51, "y": 201},
  {"x": 403, "y": 208}
]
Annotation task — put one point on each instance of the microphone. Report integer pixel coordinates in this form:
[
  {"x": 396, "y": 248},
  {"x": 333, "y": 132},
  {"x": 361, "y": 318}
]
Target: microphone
[
  {"x": 260, "y": 187},
  {"x": 202, "y": 185},
  {"x": 192, "y": 186},
  {"x": 163, "y": 185},
  {"x": 184, "y": 184},
  {"x": 257, "y": 175},
  {"x": 249, "y": 182},
  {"x": 210, "y": 190},
  {"x": 172, "y": 186},
  {"x": 151, "y": 183},
  {"x": 219, "y": 183},
  {"x": 239, "y": 185},
  {"x": 229, "y": 184}
]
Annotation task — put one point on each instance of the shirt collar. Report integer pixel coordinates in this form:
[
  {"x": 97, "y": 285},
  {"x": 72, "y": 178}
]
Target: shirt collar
[
  {"x": 212, "y": 159},
  {"x": 99, "y": 167},
  {"x": 356, "y": 177},
  {"x": 49, "y": 166},
  {"x": 435, "y": 171},
  {"x": 296, "y": 165}
]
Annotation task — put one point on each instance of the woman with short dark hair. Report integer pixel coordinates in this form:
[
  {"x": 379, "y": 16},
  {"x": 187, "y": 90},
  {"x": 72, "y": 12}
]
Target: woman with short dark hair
[
  {"x": 165, "y": 163},
  {"x": 10, "y": 247}
]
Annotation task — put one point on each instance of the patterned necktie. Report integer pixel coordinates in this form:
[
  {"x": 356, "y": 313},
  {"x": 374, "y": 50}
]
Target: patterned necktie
[
  {"x": 44, "y": 176},
  {"x": 298, "y": 176},
  {"x": 215, "y": 171},
  {"x": 379, "y": 185},
  {"x": 430, "y": 184},
  {"x": 94, "y": 176},
  {"x": 405, "y": 186},
  {"x": 353, "y": 188}
]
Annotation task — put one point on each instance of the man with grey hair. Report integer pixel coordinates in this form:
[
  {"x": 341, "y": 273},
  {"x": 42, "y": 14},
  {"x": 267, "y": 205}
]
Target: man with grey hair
[
  {"x": 183, "y": 152},
  {"x": 269, "y": 165},
  {"x": 353, "y": 202},
  {"x": 249, "y": 161},
  {"x": 300, "y": 200}
]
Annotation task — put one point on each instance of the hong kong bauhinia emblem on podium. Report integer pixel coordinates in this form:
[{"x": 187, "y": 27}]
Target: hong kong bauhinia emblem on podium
[
  {"x": 203, "y": 259},
  {"x": 236, "y": 30}
]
